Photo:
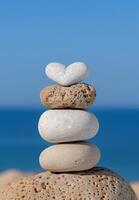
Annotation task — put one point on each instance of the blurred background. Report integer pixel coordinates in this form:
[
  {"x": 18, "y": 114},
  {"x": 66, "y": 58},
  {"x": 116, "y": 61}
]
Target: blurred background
[{"x": 104, "y": 35}]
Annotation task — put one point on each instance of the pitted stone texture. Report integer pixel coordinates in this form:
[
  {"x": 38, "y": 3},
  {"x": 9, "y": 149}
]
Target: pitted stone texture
[
  {"x": 78, "y": 96},
  {"x": 95, "y": 184},
  {"x": 9, "y": 176}
]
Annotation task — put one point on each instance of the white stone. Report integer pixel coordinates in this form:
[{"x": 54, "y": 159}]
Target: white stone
[
  {"x": 67, "y": 125},
  {"x": 68, "y": 157},
  {"x": 69, "y": 75}
]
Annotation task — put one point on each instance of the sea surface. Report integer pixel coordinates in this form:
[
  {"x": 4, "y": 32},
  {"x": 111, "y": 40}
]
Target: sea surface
[{"x": 118, "y": 139}]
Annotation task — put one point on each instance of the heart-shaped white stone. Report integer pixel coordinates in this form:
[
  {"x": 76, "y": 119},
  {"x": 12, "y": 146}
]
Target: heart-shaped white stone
[{"x": 69, "y": 75}]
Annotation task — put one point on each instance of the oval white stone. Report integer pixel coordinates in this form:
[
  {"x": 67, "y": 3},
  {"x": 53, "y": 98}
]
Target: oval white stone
[
  {"x": 58, "y": 126},
  {"x": 78, "y": 156}
]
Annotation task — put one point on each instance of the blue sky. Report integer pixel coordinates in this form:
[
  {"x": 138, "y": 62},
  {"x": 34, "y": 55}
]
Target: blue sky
[{"x": 103, "y": 34}]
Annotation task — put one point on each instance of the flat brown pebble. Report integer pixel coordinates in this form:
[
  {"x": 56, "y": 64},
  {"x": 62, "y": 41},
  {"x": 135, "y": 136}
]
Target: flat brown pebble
[
  {"x": 78, "y": 96},
  {"x": 96, "y": 184}
]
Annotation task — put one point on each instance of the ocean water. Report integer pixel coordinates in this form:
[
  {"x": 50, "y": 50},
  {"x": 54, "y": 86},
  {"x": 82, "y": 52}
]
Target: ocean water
[{"x": 118, "y": 139}]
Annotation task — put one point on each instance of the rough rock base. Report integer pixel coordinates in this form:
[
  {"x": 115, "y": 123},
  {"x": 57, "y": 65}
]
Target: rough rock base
[{"x": 96, "y": 184}]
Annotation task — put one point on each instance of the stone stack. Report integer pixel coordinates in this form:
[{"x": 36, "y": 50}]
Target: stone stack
[{"x": 67, "y": 124}]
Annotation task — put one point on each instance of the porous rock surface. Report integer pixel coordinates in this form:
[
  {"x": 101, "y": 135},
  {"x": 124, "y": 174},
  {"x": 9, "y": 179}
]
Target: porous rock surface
[
  {"x": 9, "y": 176},
  {"x": 95, "y": 184},
  {"x": 75, "y": 96}
]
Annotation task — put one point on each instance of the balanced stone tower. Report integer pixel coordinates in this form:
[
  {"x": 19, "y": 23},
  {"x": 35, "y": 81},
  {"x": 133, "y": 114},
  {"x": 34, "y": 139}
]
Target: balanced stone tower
[
  {"x": 69, "y": 164},
  {"x": 67, "y": 123}
]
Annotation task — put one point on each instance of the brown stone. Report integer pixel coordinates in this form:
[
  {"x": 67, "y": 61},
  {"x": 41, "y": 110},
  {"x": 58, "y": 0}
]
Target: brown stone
[
  {"x": 78, "y": 96},
  {"x": 95, "y": 184}
]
